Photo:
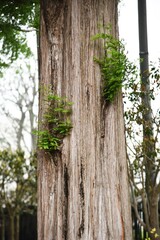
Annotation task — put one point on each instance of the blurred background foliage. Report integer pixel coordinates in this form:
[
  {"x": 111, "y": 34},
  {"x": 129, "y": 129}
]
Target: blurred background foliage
[{"x": 17, "y": 18}]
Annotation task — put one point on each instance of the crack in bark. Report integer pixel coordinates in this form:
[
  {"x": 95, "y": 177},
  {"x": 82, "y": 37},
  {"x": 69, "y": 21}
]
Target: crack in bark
[
  {"x": 82, "y": 195},
  {"x": 66, "y": 193}
]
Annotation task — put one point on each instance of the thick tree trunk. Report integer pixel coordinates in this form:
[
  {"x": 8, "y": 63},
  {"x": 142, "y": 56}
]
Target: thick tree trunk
[{"x": 83, "y": 191}]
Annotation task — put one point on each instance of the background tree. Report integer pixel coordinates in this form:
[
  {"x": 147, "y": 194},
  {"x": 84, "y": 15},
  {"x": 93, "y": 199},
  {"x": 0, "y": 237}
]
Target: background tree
[
  {"x": 17, "y": 19},
  {"x": 83, "y": 186},
  {"x": 19, "y": 119},
  {"x": 144, "y": 167},
  {"x": 19, "y": 100},
  {"x": 143, "y": 150},
  {"x": 18, "y": 187}
]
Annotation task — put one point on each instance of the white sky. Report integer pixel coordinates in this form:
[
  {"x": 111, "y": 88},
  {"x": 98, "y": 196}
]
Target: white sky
[{"x": 128, "y": 27}]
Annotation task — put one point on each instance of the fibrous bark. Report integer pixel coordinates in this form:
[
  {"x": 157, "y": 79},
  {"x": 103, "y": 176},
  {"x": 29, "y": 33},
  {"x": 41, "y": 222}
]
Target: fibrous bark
[{"x": 83, "y": 189}]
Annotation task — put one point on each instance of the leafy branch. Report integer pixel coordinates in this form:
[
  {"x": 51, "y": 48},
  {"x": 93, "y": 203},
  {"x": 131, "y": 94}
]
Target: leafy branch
[
  {"x": 115, "y": 66},
  {"x": 56, "y": 124}
]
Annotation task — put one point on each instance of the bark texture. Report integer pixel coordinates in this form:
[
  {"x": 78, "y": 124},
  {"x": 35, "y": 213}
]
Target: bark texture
[{"x": 83, "y": 190}]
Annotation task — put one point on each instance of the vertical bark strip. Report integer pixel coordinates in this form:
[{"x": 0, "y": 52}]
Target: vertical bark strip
[{"x": 85, "y": 194}]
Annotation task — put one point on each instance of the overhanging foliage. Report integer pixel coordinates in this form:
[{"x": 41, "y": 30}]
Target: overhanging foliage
[{"x": 17, "y": 17}]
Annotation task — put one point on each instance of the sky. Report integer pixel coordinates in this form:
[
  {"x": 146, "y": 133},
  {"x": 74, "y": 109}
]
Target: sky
[{"x": 128, "y": 27}]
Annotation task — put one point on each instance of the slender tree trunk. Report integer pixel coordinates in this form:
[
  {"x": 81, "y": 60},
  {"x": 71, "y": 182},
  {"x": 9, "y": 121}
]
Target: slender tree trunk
[
  {"x": 12, "y": 228},
  {"x": 20, "y": 129},
  {"x": 3, "y": 223},
  {"x": 83, "y": 190},
  {"x": 154, "y": 215},
  {"x": 17, "y": 226}
]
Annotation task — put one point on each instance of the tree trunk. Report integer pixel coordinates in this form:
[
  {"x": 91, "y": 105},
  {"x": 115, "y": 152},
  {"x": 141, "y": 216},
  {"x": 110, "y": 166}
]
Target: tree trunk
[
  {"x": 83, "y": 190},
  {"x": 154, "y": 215},
  {"x": 3, "y": 223},
  {"x": 17, "y": 226},
  {"x": 12, "y": 228}
]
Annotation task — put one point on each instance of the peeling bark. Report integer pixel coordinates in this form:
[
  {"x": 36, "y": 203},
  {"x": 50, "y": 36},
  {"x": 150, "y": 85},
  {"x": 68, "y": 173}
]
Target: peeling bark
[{"x": 85, "y": 194}]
